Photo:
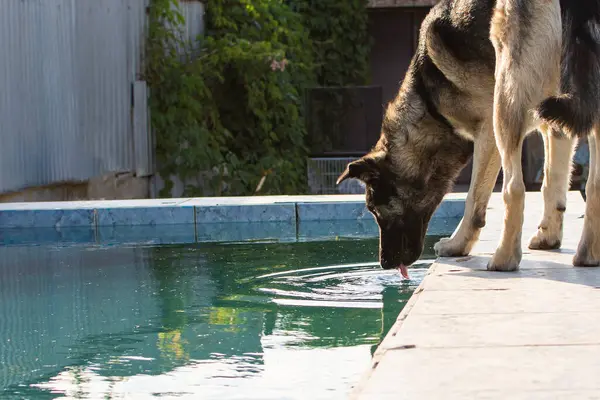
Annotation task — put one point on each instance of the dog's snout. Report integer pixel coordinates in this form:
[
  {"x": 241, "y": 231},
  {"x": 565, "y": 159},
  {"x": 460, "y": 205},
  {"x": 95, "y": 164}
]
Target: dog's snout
[
  {"x": 391, "y": 255},
  {"x": 386, "y": 263},
  {"x": 396, "y": 250}
]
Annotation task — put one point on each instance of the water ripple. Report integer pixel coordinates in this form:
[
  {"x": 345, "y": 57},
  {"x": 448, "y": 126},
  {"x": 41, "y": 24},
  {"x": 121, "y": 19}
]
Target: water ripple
[{"x": 345, "y": 285}]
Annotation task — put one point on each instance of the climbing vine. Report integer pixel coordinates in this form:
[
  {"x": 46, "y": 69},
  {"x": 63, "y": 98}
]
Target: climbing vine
[
  {"x": 227, "y": 109},
  {"x": 341, "y": 41}
]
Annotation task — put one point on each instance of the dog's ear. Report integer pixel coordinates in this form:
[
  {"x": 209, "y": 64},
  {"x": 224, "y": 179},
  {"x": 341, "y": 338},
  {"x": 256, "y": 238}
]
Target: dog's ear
[{"x": 365, "y": 168}]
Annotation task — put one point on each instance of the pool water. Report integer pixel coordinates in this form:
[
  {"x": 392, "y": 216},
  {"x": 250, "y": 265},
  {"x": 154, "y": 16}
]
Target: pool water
[{"x": 206, "y": 321}]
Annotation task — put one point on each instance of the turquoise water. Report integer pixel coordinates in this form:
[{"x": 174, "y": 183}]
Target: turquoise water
[{"x": 219, "y": 321}]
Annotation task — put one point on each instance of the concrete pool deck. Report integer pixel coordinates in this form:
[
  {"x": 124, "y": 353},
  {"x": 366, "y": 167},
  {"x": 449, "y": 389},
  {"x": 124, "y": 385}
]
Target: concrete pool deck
[{"x": 467, "y": 333}]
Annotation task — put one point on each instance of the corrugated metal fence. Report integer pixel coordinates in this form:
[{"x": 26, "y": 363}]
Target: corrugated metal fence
[
  {"x": 66, "y": 89},
  {"x": 71, "y": 104}
]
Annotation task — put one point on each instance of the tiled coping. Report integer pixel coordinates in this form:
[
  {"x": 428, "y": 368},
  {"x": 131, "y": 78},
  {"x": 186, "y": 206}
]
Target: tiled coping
[{"x": 281, "y": 218}]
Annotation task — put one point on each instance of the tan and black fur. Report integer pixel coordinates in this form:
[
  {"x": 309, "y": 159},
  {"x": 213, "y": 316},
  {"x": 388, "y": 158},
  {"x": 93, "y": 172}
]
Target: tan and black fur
[{"x": 486, "y": 73}]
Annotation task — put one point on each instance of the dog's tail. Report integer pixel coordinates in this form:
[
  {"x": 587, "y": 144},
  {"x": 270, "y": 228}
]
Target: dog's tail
[{"x": 577, "y": 109}]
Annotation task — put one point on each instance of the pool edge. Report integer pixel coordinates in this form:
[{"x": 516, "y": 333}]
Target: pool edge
[
  {"x": 380, "y": 351},
  {"x": 196, "y": 213}
]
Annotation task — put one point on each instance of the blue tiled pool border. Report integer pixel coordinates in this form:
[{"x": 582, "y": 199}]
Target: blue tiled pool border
[{"x": 163, "y": 221}]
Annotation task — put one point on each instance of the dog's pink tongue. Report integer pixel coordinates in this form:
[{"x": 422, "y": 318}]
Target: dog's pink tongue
[{"x": 403, "y": 271}]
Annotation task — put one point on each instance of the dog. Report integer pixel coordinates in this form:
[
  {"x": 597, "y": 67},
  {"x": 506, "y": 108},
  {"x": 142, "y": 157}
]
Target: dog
[{"x": 485, "y": 74}]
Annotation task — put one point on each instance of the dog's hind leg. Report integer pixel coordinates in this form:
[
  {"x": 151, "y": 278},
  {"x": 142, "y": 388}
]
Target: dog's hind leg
[
  {"x": 486, "y": 166},
  {"x": 588, "y": 251},
  {"x": 527, "y": 38},
  {"x": 558, "y": 151}
]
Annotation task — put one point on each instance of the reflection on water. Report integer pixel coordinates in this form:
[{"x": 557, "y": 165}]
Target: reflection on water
[{"x": 260, "y": 321}]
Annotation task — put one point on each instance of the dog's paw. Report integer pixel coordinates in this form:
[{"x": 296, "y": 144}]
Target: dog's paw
[
  {"x": 505, "y": 260},
  {"x": 586, "y": 256},
  {"x": 451, "y": 247},
  {"x": 544, "y": 240}
]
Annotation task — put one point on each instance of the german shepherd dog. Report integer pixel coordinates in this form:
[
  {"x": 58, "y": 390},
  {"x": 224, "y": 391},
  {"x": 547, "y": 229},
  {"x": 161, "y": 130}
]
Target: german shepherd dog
[{"x": 486, "y": 73}]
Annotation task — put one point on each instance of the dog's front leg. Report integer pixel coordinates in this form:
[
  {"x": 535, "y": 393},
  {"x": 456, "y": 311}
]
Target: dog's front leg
[
  {"x": 509, "y": 138},
  {"x": 509, "y": 132},
  {"x": 486, "y": 166},
  {"x": 558, "y": 151}
]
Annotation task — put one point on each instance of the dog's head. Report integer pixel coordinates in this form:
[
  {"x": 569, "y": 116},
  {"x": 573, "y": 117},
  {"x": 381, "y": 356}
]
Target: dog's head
[
  {"x": 401, "y": 205},
  {"x": 406, "y": 176}
]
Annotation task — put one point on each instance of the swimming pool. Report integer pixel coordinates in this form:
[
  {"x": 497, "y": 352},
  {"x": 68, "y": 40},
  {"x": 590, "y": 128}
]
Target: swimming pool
[{"x": 210, "y": 321}]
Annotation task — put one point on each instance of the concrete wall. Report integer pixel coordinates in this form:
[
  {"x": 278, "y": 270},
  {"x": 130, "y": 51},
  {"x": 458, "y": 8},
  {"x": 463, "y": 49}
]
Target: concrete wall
[{"x": 107, "y": 187}]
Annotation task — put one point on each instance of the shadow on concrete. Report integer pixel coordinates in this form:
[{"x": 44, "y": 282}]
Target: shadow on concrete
[{"x": 537, "y": 265}]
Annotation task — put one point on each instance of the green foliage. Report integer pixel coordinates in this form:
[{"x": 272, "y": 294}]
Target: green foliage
[
  {"x": 341, "y": 43},
  {"x": 228, "y": 109},
  {"x": 190, "y": 138}
]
